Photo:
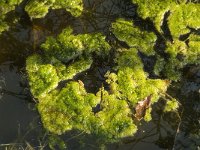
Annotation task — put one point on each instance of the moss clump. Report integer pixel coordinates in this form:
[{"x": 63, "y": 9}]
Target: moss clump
[
  {"x": 182, "y": 17},
  {"x": 38, "y": 9},
  {"x": 115, "y": 119},
  {"x": 133, "y": 36},
  {"x": 45, "y": 76},
  {"x": 171, "y": 105},
  {"x": 154, "y": 10},
  {"x": 71, "y": 104},
  {"x": 132, "y": 82},
  {"x": 75, "y": 7},
  {"x": 68, "y": 46},
  {"x": 110, "y": 114},
  {"x": 180, "y": 55},
  {"x": 6, "y": 6},
  {"x": 74, "y": 107}
]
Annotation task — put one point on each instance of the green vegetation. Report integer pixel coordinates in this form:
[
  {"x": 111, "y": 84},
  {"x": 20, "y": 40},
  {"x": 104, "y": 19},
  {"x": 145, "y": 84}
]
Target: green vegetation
[
  {"x": 38, "y": 9},
  {"x": 6, "y": 6},
  {"x": 70, "y": 106},
  {"x": 68, "y": 46},
  {"x": 133, "y": 36},
  {"x": 114, "y": 119},
  {"x": 183, "y": 17}
]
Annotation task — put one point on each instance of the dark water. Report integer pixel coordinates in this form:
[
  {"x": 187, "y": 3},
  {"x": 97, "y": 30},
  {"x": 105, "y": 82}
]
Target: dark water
[{"x": 20, "y": 125}]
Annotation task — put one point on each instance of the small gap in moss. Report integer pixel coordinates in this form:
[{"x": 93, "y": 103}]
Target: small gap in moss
[{"x": 165, "y": 27}]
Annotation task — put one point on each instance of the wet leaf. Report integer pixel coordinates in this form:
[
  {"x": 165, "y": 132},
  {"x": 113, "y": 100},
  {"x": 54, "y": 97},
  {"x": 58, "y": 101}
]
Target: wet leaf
[{"x": 142, "y": 106}]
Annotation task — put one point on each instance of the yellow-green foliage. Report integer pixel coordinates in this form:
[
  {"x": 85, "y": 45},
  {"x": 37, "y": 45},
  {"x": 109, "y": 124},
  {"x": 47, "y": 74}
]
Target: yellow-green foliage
[
  {"x": 66, "y": 109},
  {"x": 38, "y": 9},
  {"x": 181, "y": 54},
  {"x": 115, "y": 119},
  {"x": 171, "y": 105},
  {"x": 45, "y": 76},
  {"x": 42, "y": 77},
  {"x": 182, "y": 14},
  {"x": 133, "y": 36},
  {"x": 75, "y": 7},
  {"x": 154, "y": 9},
  {"x": 5, "y": 7},
  {"x": 132, "y": 82},
  {"x": 71, "y": 108},
  {"x": 68, "y": 46},
  {"x": 182, "y": 17}
]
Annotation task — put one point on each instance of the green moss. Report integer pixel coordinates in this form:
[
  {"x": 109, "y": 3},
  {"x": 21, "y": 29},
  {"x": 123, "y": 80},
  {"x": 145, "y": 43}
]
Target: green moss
[
  {"x": 75, "y": 7},
  {"x": 133, "y": 82},
  {"x": 71, "y": 104},
  {"x": 45, "y": 76},
  {"x": 159, "y": 65},
  {"x": 68, "y": 46},
  {"x": 109, "y": 115},
  {"x": 154, "y": 10},
  {"x": 181, "y": 54},
  {"x": 42, "y": 77},
  {"x": 6, "y": 6},
  {"x": 114, "y": 120},
  {"x": 193, "y": 52},
  {"x": 74, "y": 106},
  {"x": 133, "y": 36},
  {"x": 182, "y": 17},
  {"x": 38, "y": 9},
  {"x": 171, "y": 105}
]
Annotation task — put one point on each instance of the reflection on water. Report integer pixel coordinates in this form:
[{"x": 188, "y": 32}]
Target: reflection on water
[
  {"x": 15, "y": 110},
  {"x": 19, "y": 121}
]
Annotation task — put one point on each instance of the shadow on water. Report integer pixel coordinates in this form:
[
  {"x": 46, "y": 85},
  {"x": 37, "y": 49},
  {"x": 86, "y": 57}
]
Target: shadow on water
[{"x": 20, "y": 124}]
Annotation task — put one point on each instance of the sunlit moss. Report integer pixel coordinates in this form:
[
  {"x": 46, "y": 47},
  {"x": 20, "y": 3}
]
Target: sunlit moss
[
  {"x": 38, "y": 9},
  {"x": 148, "y": 116},
  {"x": 75, "y": 7},
  {"x": 133, "y": 36},
  {"x": 182, "y": 17},
  {"x": 171, "y": 105},
  {"x": 6, "y": 6},
  {"x": 181, "y": 54},
  {"x": 45, "y": 76},
  {"x": 133, "y": 81},
  {"x": 154, "y": 10},
  {"x": 114, "y": 120},
  {"x": 42, "y": 77},
  {"x": 68, "y": 46},
  {"x": 74, "y": 106}
]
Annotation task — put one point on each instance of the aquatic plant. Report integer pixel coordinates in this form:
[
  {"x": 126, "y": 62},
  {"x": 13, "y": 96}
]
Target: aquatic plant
[
  {"x": 114, "y": 118},
  {"x": 67, "y": 46},
  {"x": 142, "y": 40},
  {"x": 111, "y": 113},
  {"x": 182, "y": 20},
  {"x": 6, "y": 6},
  {"x": 38, "y": 9}
]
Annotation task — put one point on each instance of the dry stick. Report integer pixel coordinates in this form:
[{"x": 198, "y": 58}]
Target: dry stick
[{"x": 178, "y": 129}]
